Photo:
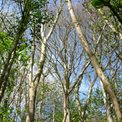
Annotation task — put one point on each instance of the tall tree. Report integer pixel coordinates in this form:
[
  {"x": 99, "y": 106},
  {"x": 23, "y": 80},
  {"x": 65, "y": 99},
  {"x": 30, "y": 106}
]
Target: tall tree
[
  {"x": 34, "y": 80},
  {"x": 94, "y": 62},
  {"x": 22, "y": 25}
]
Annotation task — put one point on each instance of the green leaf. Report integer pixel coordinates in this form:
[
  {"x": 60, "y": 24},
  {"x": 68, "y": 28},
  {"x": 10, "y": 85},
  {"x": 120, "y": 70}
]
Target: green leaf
[{"x": 97, "y": 3}]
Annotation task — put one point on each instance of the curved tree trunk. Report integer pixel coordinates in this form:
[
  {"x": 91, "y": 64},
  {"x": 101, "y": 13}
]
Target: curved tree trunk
[{"x": 94, "y": 61}]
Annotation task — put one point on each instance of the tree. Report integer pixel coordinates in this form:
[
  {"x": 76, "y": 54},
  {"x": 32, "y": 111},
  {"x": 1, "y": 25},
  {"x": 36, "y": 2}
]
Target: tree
[
  {"x": 49, "y": 76},
  {"x": 95, "y": 62},
  {"x": 11, "y": 55},
  {"x": 34, "y": 80}
]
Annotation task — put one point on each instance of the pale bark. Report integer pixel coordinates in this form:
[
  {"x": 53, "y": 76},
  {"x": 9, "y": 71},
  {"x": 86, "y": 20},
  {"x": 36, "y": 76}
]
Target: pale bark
[
  {"x": 32, "y": 97},
  {"x": 31, "y": 92},
  {"x": 54, "y": 112},
  {"x": 66, "y": 117},
  {"x": 33, "y": 84},
  {"x": 94, "y": 61},
  {"x": 109, "y": 116},
  {"x": 82, "y": 112}
]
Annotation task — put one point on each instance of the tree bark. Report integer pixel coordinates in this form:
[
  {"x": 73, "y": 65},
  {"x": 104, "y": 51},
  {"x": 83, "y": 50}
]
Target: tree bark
[
  {"x": 33, "y": 82},
  {"x": 32, "y": 97},
  {"x": 66, "y": 117},
  {"x": 109, "y": 116},
  {"x": 94, "y": 61}
]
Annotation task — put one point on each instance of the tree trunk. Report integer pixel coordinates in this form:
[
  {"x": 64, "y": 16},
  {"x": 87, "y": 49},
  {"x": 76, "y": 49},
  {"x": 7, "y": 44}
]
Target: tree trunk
[
  {"x": 78, "y": 105},
  {"x": 54, "y": 112},
  {"x": 109, "y": 116},
  {"x": 66, "y": 117},
  {"x": 4, "y": 77},
  {"x": 94, "y": 61},
  {"x": 32, "y": 97},
  {"x": 33, "y": 82}
]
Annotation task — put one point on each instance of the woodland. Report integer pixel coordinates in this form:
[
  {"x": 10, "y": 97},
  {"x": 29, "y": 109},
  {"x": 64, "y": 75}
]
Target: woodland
[{"x": 60, "y": 60}]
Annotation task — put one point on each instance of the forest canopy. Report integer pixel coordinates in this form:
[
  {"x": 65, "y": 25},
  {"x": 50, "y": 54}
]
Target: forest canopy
[{"x": 60, "y": 60}]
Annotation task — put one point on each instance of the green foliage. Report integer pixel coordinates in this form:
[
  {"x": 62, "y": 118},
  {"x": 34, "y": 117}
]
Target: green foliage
[
  {"x": 58, "y": 116},
  {"x": 5, "y": 42},
  {"x": 37, "y": 6},
  {"x": 22, "y": 53},
  {"x": 97, "y": 3},
  {"x": 101, "y": 3},
  {"x": 96, "y": 109},
  {"x": 5, "y": 114},
  {"x": 120, "y": 2},
  {"x": 39, "y": 11},
  {"x": 74, "y": 112},
  {"x": 116, "y": 4}
]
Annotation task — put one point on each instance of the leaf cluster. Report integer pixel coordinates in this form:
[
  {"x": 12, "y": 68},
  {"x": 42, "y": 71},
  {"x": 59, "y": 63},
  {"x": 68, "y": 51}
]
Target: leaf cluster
[
  {"x": 114, "y": 5},
  {"x": 5, "y": 114},
  {"x": 102, "y": 3},
  {"x": 5, "y": 42}
]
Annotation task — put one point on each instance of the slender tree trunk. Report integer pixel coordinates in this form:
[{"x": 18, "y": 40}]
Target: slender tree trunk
[
  {"x": 94, "y": 61},
  {"x": 34, "y": 81},
  {"x": 66, "y": 117},
  {"x": 54, "y": 112},
  {"x": 109, "y": 116},
  {"x": 4, "y": 78},
  {"x": 78, "y": 104},
  {"x": 32, "y": 97}
]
